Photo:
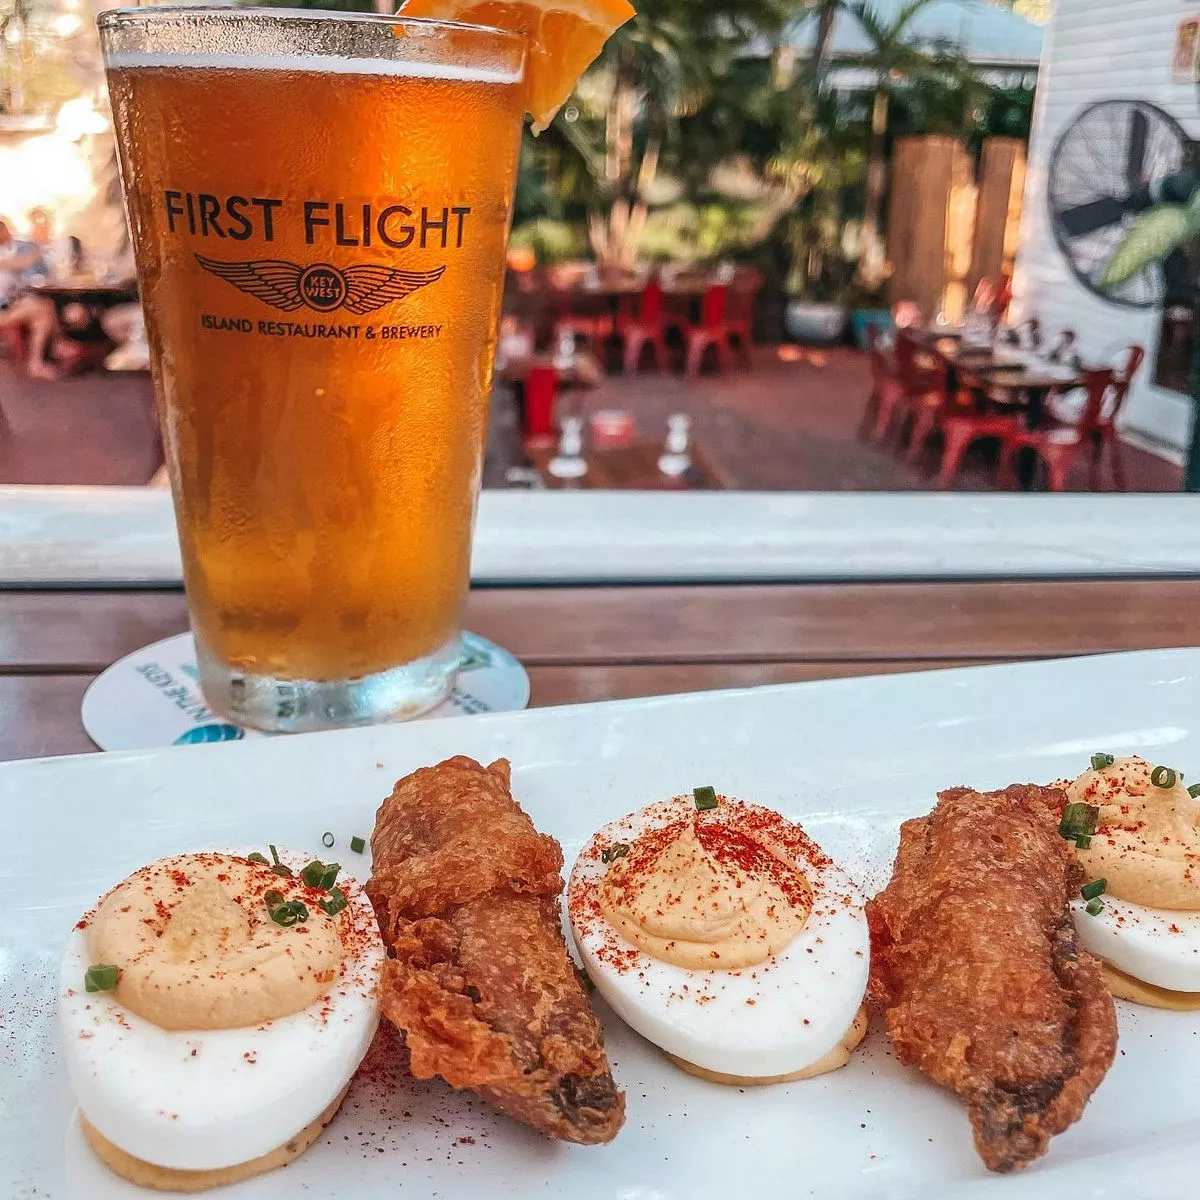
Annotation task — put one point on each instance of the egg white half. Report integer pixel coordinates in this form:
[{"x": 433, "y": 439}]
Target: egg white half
[
  {"x": 220, "y": 1097},
  {"x": 1155, "y": 945},
  {"x": 776, "y": 1018}
]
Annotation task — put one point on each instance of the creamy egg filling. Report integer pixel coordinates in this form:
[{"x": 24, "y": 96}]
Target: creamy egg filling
[
  {"x": 196, "y": 947},
  {"x": 1146, "y": 845},
  {"x": 705, "y": 896}
]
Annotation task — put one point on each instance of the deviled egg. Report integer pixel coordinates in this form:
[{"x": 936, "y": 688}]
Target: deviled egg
[
  {"x": 722, "y": 933},
  {"x": 213, "y": 1009},
  {"x": 1136, "y": 827}
]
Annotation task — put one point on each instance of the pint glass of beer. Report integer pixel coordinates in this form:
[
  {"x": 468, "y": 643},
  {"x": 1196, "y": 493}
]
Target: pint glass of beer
[{"x": 319, "y": 206}]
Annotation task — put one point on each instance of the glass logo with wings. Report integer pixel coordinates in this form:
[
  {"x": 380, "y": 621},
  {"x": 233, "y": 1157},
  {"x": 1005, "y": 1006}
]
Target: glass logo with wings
[{"x": 324, "y": 288}]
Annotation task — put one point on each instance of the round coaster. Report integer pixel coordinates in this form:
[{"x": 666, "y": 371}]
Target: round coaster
[{"x": 151, "y": 697}]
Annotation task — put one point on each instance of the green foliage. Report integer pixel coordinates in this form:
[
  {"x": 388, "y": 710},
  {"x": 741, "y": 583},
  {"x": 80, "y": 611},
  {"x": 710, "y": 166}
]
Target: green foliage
[
  {"x": 716, "y": 229},
  {"x": 552, "y": 241},
  {"x": 695, "y": 136},
  {"x": 1193, "y": 214},
  {"x": 41, "y": 67},
  {"x": 1153, "y": 236}
]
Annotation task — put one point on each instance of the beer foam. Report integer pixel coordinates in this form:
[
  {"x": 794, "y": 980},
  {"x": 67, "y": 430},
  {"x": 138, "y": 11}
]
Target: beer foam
[{"x": 326, "y": 64}]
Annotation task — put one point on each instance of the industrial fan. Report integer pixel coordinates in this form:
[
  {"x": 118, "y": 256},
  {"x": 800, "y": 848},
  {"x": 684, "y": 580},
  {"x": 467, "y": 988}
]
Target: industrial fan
[{"x": 1104, "y": 171}]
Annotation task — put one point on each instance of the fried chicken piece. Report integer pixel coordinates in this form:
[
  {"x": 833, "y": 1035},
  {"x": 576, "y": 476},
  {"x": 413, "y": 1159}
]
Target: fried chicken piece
[
  {"x": 973, "y": 954},
  {"x": 480, "y": 982}
]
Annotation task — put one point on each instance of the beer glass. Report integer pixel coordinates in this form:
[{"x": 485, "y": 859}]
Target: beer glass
[{"x": 319, "y": 205}]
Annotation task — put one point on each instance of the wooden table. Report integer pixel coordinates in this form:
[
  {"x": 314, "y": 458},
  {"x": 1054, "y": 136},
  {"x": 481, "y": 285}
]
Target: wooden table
[
  {"x": 596, "y": 643},
  {"x": 1021, "y": 384},
  {"x": 634, "y": 466},
  {"x": 95, "y": 295}
]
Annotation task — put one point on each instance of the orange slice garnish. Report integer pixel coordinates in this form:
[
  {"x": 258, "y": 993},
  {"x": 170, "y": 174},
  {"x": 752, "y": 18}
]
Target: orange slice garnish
[{"x": 564, "y": 38}]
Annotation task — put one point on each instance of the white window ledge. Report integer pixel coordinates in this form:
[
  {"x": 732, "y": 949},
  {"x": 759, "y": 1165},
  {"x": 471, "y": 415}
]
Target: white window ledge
[{"x": 60, "y": 536}]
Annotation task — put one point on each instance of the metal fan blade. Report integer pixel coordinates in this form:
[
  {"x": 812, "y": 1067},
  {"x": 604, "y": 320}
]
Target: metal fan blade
[
  {"x": 1135, "y": 161},
  {"x": 1090, "y": 217}
]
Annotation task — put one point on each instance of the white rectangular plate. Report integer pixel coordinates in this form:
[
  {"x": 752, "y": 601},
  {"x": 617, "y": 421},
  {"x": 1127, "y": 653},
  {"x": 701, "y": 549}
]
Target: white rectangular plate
[{"x": 849, "y": 758}]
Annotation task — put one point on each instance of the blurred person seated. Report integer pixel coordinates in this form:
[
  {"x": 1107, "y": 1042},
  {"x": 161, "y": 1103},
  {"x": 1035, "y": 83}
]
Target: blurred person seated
[
  {"x": 125, "y": 324},
  {"x": 20, "y": 260},
  {"x": 41, "y": 227},
  {"x": 54, "y": 343},
  {"x": 67, "y": 262}
]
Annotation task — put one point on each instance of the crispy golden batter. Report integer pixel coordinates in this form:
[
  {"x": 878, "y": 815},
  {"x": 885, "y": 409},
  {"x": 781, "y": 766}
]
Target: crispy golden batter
[
  {"x": 480, "y": 982},
  {"x": 973, "y": 954}
]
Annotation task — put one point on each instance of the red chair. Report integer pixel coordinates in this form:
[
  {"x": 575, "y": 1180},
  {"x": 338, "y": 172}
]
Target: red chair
[
  {"x": 739, "y": 310},
  {"x": 887, "y": 396},
  {"x": 957, "y": 417},
  {"x": 582, "y": 310},
  {"x": 1056, "y": 444},
  {"x": 593, "y": 328},
  {"x": 71, "y": 357},
  {"x": 914, "y": 372},
  {"x": 986, "y": 291},
  {"x": 643, "y": 328},
  {"x": 541, "y": 393},
  {"x": 712, "y": 331},
  {"x": 1003, "y": 298}
]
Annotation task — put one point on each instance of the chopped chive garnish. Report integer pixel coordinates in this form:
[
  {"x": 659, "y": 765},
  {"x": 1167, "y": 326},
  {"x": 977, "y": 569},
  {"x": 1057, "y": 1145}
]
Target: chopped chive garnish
[
  {"x": 327, "y": 839},
  {"x": 101, "y": 977},
  {"x": 290, "y": 912},
  {"x": 705, "y": 797},
  {"x": 259, "y": 858},
  {"x": 616, "y": 850},
  {"x": 1090, "y": 891},
  {"x": 336, "y": 902},
  {"x": 1078, "y": 821},
  {"x": 320, "y": 875},
  {"x": 1100, "y": 761},
  {"x": 1163, "y": 777},
  {"x": 279, "y": 868},
  {"x": 1082, "y": 843},
  {"x": 1094, "y": 907},
  {"x": 358, "y": 845},
  {"x": 585, "y": 979},
  {"x": 284, "y": 912},
  {"x": 1194, "y": 790}
]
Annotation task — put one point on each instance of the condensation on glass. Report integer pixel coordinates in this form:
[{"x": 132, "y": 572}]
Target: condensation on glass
[{"x": 319, "y": 207}]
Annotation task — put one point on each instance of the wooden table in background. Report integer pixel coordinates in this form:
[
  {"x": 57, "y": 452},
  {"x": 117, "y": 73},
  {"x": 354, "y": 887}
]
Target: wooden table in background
[
  {"x": 629, "y": 467},
  {"x": 95, "y": 295},
  {"x": 597, "y": 643}
]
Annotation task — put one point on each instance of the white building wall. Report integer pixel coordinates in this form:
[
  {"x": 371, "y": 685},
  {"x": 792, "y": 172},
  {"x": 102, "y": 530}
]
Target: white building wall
[{"x": 1101, "y": 50}]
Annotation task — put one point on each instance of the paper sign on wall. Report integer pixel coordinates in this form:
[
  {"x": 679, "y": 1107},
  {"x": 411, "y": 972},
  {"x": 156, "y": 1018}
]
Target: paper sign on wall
[{"x": 1185, "y": 62}]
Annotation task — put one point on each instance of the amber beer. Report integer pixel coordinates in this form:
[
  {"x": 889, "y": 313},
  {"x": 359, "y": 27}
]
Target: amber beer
[{"x": 319, "y": 208}]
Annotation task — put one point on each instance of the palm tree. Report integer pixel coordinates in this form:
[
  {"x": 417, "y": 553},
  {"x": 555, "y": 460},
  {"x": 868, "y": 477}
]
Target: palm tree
[
  {"x": 891, "y": 58},
  {"x": 654, "y": 71},
  {"x": 826, "y": 11}
]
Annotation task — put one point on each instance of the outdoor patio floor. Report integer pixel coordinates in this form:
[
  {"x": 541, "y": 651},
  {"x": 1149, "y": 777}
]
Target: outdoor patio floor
[{"x": 778, "y": 425}]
